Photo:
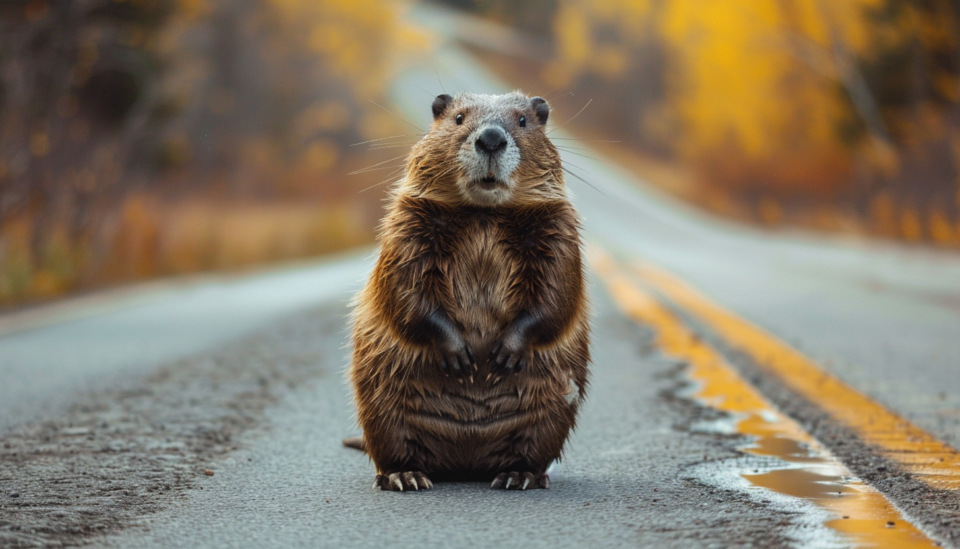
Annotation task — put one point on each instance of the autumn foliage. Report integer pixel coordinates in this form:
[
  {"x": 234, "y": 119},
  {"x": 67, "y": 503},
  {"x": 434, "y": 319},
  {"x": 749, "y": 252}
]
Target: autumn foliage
[
  {"x": 150, "y": 137},
  {"x": 842, "y": 115}
]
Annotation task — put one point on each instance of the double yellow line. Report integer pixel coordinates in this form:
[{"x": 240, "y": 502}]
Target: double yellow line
[
  {"x": 915, "y": 450},
  {"x": 638, "y": 288}
]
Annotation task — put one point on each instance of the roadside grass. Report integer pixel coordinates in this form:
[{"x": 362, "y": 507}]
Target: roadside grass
[{"x": 148, "y": 238}]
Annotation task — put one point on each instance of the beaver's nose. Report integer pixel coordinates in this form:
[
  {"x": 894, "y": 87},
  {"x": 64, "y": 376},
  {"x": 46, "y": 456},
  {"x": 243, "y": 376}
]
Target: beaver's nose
[{"x": 492, "y": 140}]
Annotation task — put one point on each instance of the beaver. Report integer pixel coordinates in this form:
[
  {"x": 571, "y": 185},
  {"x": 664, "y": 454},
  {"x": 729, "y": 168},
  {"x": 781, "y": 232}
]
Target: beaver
[{"x": 471, "y": 336}]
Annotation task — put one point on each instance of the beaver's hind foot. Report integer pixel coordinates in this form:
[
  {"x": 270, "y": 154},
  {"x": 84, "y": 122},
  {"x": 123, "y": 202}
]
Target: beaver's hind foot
[
  {"x": 400, "y": 482},
  {"x": 520, "y": 481}
]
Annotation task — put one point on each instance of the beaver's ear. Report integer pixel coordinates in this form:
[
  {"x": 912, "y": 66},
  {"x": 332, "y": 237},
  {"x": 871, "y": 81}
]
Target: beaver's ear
[
  {"x": 541, "y": 108},
  {"x": 440, "y": 104}
]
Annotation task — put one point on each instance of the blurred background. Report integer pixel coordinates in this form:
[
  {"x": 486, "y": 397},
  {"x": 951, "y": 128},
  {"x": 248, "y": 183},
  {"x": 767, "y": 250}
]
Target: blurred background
[{"x": 145, "y": 138}]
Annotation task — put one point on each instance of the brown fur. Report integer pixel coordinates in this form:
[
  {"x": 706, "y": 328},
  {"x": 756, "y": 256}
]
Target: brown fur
[{"x": 507, "y": 276}]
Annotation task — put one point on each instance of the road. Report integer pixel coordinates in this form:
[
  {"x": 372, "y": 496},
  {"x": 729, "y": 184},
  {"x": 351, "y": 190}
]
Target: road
[{"x": 209, "y": 412}]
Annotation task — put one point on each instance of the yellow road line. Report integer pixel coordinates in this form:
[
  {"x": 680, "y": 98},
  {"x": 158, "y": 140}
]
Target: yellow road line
[
  {"x": 917, "y": 451},
  {"x": 862, "y": 513}
]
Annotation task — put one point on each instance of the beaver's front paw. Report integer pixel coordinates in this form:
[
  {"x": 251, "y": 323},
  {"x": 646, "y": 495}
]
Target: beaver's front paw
[
  {"x": 399, "y": 482},
  {"x": 510, "y": 354},
  {"x": 520, "y": 481},
  {"x": 456, "y": 358}
]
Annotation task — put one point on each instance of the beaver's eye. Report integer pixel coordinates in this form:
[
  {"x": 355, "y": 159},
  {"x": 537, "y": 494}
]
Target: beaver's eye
[
  {"x": 459, "y": 119},
  {"x": 523, "y": 121}
]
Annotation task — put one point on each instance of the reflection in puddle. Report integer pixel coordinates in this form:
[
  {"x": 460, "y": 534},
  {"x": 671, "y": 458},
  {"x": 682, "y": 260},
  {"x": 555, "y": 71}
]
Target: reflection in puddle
[
  {"x": 804, "y": 469},
  {"x": 810, "y": 472}
]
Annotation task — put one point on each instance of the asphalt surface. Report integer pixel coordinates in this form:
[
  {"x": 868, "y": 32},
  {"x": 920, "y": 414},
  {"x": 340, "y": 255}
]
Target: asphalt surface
[
  {"x": 210, "y": 413},
  {"x": 119, "y": 337}
]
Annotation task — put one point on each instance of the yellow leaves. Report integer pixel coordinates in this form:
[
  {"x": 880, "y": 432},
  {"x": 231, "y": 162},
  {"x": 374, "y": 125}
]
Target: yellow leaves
[
  {"x": 328, "y": 38},
  {"x": 730, "y": 76},
  {"x": 941, "y": 231},
  {"x": 573, "y": 35},
  {"x": 350, "y": 37},
  {"x": 414, "y": 40},
  {"x": 596, "y": 37},
  {"x": 786, "y": 98},
  {"x": 762, "y": 77}
]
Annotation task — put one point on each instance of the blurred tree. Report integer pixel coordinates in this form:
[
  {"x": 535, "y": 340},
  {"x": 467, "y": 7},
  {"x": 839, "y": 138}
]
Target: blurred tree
[
  {"x": 792, "y": 107},
  {"x": 76, "y": 78},
  {"x": 112, "y": 111},
  {"x": 534, "y": 17}
]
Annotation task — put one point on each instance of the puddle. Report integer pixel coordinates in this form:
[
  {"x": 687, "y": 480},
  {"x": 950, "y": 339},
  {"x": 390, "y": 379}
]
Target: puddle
[
  {"x": 804, "y": 469},
  {"x": 794, "y": 463}
]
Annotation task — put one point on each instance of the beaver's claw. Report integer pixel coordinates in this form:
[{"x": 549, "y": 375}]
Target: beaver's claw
[
  {"x": 411, "y": 481},
  {"x": 510, "y": 354},
  {"x": 520, "y": 481},
  {"x": 456, "y": 357}
]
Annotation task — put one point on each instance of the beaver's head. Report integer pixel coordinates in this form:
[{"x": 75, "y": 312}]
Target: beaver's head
[{"x": 487, "y": 150}]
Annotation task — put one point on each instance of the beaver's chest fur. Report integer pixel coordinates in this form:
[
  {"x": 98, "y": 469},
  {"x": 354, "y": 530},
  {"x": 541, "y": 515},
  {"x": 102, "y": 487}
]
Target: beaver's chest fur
[{"x": 483, "y": 268}]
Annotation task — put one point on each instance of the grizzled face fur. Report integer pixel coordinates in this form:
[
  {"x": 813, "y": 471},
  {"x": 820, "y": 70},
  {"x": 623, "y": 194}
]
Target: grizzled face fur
[{"x": 487, "y": 149}]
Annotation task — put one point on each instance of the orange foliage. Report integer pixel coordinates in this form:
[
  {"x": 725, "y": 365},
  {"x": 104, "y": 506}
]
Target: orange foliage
[
  {"x": 232, "y": 148},
  {"x": 816, "y": 105}
]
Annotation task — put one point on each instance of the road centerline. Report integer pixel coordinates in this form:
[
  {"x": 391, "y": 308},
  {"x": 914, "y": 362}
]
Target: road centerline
[
  {"x": 810, "y": 471},
  {"x": 919, "y": 453}
]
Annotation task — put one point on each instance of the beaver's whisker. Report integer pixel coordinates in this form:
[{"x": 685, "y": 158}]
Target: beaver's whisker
[
  {"x": 385, "y": 181},
  {"x": 435, "y": 71},
  {"x": 395, "y": 166},
  {"x": 405, "y": 121},
  {"x": 382, "y": 139},
  {"x": 582, "y": 140},
  {"x": 390, "y": 177},
  {"x": 390, "y": 146},
  {"x": 568, "y": 151},
  {"x": 425, "y": 90},
  {"x": 558, "y": 96},
  {"x": 571, "y": 119},
  {"x": 361, "y": 170},
  {"x": 448, "y": 171},
  {"x": 585, "y": 181},
  {"x": 572, "y": 165}
]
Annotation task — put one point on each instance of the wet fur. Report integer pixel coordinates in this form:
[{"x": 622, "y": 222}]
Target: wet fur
[{"x": 501, "y": 270}]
